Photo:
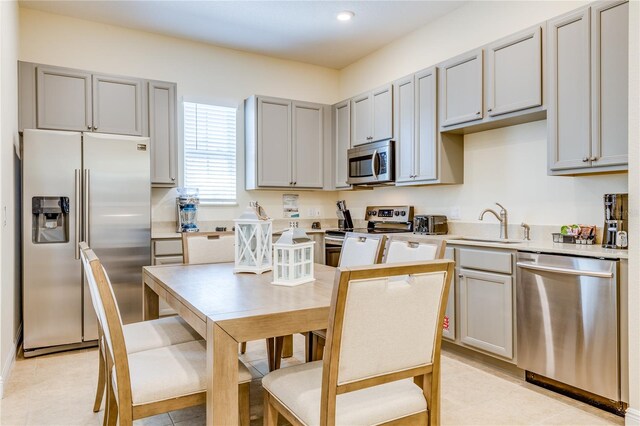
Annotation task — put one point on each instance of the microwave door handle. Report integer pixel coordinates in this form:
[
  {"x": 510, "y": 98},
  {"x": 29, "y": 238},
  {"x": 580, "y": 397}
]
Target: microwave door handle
[{"x": 374, "y": 164}]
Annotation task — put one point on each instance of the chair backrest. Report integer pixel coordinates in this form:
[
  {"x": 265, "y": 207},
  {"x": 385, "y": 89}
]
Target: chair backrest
[
  {"x": 361, "y": 249},
  {"x": 407, "y": 303},
  {"x": 207, "y": 247},
  {"x": 413, "y": 248},
  {"x": 109, "y": 318}
]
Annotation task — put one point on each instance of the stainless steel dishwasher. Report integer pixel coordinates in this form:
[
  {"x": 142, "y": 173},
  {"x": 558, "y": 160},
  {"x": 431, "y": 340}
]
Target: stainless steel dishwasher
[{"x": 567, "y": 325}]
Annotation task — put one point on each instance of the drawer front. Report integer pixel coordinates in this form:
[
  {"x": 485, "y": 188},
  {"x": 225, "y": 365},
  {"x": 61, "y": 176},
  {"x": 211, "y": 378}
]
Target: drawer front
[
  {"x": 486, "y": 260},
  {"x": 167, "y": 247}
]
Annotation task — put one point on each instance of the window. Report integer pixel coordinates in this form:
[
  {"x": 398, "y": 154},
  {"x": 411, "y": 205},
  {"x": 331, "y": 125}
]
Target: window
[{"x": 210, "y": 152}]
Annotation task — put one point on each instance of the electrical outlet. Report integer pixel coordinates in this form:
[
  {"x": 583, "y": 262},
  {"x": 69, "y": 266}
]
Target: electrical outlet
[
  {"x": 318, "y": 213},
  {"x": 455, "y": 213}
]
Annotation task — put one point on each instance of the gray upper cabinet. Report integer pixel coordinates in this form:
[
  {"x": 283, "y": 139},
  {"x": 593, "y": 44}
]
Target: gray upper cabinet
[
  {"x": 67, "y": 99},
  {"x": 569, "y": 88},
  {"x": 63, "y": 99},
  {"x": 308, "y": 145},
  {"x": 426, "y": 136},
  {"x": 274, "y": 143},
  {"x": 461, "y": 89},
  {"x": 588, "y": 86},
  {"x": 610, "y": 83},
  {"x": 405, "y": 109},
  {"x": 342, "y": 142},
  {"x": 424, "y": 156},
  {"x": 372, "y": 116},
  {"x": 514, "y": 73},
  {"x": 117, "y": 105},
  {"x": 163, "y": 132},
  {"x": 284, "y": 143}
]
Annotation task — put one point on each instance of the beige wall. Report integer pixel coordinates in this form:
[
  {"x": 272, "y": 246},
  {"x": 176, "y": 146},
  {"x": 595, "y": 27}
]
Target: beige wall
[
  {"x": 9, "y": 179},
  {"x": 506, "y": 165},
  {"x": 203, "y": 72}
]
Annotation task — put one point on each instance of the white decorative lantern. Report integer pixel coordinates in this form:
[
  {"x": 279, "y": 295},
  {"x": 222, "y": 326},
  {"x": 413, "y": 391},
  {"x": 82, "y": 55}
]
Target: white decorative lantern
[
  {"x": 253, "y": 240},
  {"x": 293, "y": 258}
]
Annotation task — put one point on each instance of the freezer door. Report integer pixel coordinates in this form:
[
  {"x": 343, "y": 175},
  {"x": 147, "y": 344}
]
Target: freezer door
[
  {"x": 117, "y": 202},
  {"x": 52, "y": 293}
]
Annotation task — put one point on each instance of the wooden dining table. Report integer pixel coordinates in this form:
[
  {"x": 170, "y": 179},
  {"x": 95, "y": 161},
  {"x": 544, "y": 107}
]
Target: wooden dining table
[{"x": 226, "y": 308}]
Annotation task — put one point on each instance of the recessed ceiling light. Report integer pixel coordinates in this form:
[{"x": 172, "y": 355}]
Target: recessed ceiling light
[{"x": 345, "y": 15}]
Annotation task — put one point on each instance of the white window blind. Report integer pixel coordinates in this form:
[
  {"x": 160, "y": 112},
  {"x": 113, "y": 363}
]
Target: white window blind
[{"x": 210, "y": 152}]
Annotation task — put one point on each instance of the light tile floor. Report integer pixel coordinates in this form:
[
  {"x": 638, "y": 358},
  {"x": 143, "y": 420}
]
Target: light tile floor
[{"x": 59, "y": 390}]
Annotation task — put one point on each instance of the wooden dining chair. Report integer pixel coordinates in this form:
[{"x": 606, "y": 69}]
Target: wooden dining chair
[
  {"x": 153, "y": 381},
  {"x": 388, "y": 374},
  {"x": 208, "y": 247},
  {"x": 139, "y": 336},
  {"x": 413, "y": 248},
  {"x": 361, "y": 249},
  {"x": 358, "y": 249}
]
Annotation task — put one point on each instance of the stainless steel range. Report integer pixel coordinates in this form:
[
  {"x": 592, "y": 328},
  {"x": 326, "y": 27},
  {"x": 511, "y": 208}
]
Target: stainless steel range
[{"x": 380, "y": 220}]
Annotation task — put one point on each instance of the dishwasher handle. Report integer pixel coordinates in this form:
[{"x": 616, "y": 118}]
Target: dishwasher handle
[{"x": 566, "y": 271}]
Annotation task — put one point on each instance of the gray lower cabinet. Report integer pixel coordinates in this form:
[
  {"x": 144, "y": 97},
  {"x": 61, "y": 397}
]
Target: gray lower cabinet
[
  {"x": 372, "y": 116},
  {"x": 284, "y": 143},
  {"x": 423, "y": 155},
  {"x": 117, "y": 105},
  {"x": 449, "y": 326},
  {"x": 163, "y": 132},
  {"x": 486, "y": 311},
  {"x": 460, "y": 90},
  {"x": 341, "y": 142},
  {"x": 514, "y": 73},
  {"x": 588, "y": 84}
]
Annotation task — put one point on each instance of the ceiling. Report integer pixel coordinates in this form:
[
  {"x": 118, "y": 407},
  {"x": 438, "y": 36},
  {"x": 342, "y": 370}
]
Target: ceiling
[{"x": 303, "y": 30}]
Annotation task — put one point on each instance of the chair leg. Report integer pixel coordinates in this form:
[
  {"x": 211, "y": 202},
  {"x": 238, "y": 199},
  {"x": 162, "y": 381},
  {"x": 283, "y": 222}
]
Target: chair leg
[
  {"x": 243, "y": 347},
  {"x": 243, "y": 404},
  {"x": 111, "y": 406},
  {"x": 318, "y": 347},
  {"x": 287, "y": 346},
  {"x": 270, "y": 414},
  {"x": 100, "y": 389}
]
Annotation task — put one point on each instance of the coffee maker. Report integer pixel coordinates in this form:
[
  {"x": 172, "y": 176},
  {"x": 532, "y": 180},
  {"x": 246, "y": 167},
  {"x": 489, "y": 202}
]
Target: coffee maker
[{"x": 615, "y": 221}]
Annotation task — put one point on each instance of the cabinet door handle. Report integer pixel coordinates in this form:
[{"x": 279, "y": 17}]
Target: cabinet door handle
[
  {"x": 490, "y": 109},
  {"x": 460, "y": 276},
  {"x": 585, "y": 159},
  {"x": 594, "y": 158},
  {"x": 88, "y": 127},
  {"x": 173, "y": 178},
  {"x": 95, "y": 128},
  {"x": 478, "y": 113}
]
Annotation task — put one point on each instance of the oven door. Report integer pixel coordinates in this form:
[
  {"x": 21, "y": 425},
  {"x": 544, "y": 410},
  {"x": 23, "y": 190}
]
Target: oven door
[
  {"x": 371, "y": 164},
  {"x": 332, "y": 249}
]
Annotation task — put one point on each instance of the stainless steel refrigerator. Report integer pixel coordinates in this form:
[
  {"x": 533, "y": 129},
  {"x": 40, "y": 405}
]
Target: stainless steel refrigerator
[{"x": 81, "y": 186}]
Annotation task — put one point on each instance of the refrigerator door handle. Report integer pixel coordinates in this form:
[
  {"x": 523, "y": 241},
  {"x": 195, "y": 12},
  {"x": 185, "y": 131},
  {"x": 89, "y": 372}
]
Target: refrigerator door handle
[
  {"x": 77, "y": 214},
  {"x": 85, "y": 200}
]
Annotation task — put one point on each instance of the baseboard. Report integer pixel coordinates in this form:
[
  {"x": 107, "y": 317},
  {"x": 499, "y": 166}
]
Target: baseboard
[
  {"x": 8, "y": 365},
  {"x": 632, "y": 417}
]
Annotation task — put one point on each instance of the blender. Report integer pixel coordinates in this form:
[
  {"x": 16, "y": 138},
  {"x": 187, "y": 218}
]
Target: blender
[{"x": 187, "y": 209}]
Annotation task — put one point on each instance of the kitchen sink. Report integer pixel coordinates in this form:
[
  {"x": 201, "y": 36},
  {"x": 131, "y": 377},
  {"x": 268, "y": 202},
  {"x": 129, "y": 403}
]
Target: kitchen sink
[{"x": 491, "y": 240}]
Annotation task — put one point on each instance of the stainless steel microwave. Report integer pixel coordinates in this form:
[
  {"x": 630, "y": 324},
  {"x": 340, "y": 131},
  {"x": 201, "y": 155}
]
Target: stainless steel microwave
[{"x": 371, "y": 164}]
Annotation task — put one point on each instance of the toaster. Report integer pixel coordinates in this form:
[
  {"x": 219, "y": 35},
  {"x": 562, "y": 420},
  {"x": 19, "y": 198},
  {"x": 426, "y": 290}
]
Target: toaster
[{"x": 430, "y": 224}]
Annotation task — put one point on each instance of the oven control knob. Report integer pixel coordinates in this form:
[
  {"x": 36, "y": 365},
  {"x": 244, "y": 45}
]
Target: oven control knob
[
  {"x": 397, "y": 213},
  {"x": 403, "y": 213},
  {"x": 374, "y": 213}
]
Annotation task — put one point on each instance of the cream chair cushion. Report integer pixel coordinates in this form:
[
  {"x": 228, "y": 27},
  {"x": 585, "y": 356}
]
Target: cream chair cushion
[
  {"x": 402, "y": 251},
  {"x": 171, "y": 372},
  {"x": 145, "y": 335},
  {"x": 298, "y": 388},
  {"x": 203, "y": 249},
  {"x": 401, "y": 337},
  {"x": 358, "y": 251}
]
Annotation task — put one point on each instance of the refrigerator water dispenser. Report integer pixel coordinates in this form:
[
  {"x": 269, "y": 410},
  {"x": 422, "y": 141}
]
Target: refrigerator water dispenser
[{"x": 50, "y": 220}]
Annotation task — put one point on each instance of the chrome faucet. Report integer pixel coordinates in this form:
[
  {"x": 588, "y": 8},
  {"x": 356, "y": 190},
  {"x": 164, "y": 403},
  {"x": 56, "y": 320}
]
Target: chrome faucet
[{"x": 502, "y": 218}]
